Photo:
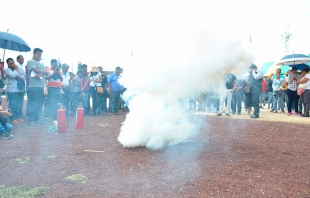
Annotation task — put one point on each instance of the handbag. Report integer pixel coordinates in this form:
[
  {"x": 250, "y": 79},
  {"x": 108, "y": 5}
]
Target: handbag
[
  {"x": 20, "y": 84},
  {"x": 100, "y": 90},
  {"x": 300, "y": 91}
]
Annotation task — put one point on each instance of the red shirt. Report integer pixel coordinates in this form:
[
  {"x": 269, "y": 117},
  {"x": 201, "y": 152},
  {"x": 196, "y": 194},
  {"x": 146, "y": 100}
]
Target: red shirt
[{"x": 264, "y": 83}]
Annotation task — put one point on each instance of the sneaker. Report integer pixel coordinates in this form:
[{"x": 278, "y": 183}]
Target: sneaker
[
  {"x": 305, "y": 115},
  {"x": 31, "y": 123},
  {"x": 272, "y": 110},
  {"x": 6, "y": 135},
  {"x": 219, "y": 114},
  {"x": 40, "y": 122},
  {"x": 227, "y": 114},
  {"x": 275, "y": 111},
  {"x": 289, "y": 113},
  {"x": 298, "y": 114}
]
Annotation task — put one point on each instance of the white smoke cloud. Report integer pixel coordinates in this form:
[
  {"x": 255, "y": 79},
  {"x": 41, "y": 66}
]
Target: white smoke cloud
[{"x": 182, "y": 55}]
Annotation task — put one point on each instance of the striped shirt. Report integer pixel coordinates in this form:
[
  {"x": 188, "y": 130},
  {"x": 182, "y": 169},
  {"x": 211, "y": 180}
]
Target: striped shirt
[{"x": 292, "y": 85}]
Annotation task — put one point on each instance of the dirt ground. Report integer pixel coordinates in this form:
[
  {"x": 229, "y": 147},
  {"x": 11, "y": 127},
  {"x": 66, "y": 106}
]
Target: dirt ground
[{"x": 229, "y": 158}]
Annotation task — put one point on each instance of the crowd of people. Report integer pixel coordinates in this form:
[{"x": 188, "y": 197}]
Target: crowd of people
[
  {"x": 48, "y": 88},
  {"x": 256, "y": 90},
  {"x": 54, "y": 86}
]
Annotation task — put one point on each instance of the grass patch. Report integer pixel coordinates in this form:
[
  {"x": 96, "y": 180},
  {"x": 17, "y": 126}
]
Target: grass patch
[
  {"x": 22, "y": 160},
  {"x": 78, "y": 177},
  {"x": 21, "y": 192},
  {"x": 51, "y": 157},
  {"x": 103, "y": 125}
]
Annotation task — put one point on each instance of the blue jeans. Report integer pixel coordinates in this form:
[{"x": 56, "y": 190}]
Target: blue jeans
[
  {"x": 115, "y": 101},
  {"x": 270, "y": 99},
  {"x": 237, "y": 102},
  {"x": 102, "y": 101},
  {"x": 35, "y": 101},
  {"x": 16, "y": 101},
  {"x": 8, "y": 128},
  {"x": 278, "y": 102}
]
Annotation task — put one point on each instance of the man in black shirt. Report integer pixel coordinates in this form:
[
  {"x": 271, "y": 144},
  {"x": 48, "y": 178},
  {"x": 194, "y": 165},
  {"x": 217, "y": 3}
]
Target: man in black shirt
[
  {"x": 256, "y": 88},
  {"x": 231, "y": 83},
  {"x": 103, "y": 97}
]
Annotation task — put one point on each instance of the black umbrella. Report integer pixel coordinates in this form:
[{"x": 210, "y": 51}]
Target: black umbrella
[{"x": 12, "y": 42}]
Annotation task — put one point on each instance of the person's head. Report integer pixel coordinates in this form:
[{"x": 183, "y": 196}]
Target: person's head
[
  {"x": 54, "y": 64},
  {"x": 65, "y": 68},
  {"x": 94, "y": 71},
  {"x": 10, "y": 62},
  {"x": 304, "y": 71},
  {"x": 253, "y": 67},
  {"x": 20, "y": 59},
  {"x": 37, "y": 54},
  {"x": 278, "y": 74},
  {"x": 278, "y": 70},
  {"x": 294, "y": 70},
  {"x": 100, "y": 69},
  {"x": 79, "y": 73},
  {"x": 118, "y": 70},
  {"x": 84, "y": 68}
]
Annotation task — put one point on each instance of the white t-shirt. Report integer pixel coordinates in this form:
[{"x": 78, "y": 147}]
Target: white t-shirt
[
  {"x": 308, "y": 82},
  {"x": 93, "y": 78}
]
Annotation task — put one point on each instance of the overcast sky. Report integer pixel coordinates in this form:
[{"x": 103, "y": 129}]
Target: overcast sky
[{"x": 99, "y": 32}]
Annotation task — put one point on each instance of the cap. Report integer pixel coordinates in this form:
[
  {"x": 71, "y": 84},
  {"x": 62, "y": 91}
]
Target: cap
[{"x": 253, "y": 66}]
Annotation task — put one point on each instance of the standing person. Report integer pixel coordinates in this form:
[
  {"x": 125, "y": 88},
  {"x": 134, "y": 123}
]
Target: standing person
[
  {"x": 85, "y": 89},
  {"x": 238, "y": 96},
  {"x": 262, "y": 96},
  {"x": 65, "y": 85},
  {"x": 36, "y": 87},
  {"x": 53, "y": 86},
  {"x": 291, "y": 92},
  {"x": 247, "y": 93},
  {"x": 102, "y": 99},
  {"x": 256, "y": 89},
  {"x": 114, "y": 89},
  {"x": 21, "y": 73},
  {"x": 75, "y": 90},
  {"x": 277, "y": 92},
  {"x": 269, "y": 91},
  {"x": 231, "y": 83},
  {"x": 305, "y": 96},
  {"x": 15, "y": 93},
  {"x": 95, "y": 82}
]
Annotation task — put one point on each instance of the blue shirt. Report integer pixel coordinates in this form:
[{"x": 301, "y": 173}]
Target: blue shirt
[{"x": 115, "y": 86}]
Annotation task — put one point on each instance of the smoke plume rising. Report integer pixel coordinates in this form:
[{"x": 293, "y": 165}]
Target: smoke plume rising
[{"x": 183, "y": 54}]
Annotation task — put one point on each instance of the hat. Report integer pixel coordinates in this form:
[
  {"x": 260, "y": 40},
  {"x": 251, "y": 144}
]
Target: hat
[
  {"x": 65, "y": 65},
  {"x": 253, "y": 66},
  {"x": 94, "y": 69},
  {"x": 283, "y": 87}
]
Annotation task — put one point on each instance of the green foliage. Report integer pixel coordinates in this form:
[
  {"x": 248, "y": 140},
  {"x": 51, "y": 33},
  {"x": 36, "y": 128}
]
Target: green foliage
[
  {"x": 78, "y": 177},
  {"x": 22, "y": 160},
  {"x": 21, "y": 192}
]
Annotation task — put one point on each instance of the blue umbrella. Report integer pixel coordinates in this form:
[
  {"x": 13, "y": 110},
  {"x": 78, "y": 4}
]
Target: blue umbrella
[
  {"x": 300, "y": 66},
  {"x": 294, "y": 59},
  {"x": 12, "y": 42}
]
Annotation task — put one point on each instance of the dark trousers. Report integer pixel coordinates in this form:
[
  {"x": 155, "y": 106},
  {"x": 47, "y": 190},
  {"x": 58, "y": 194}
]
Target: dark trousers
[
  {"x": 65, "y": 99},
  {"x": 102, "y": 102},
  {"x": 255, "y": 94},
  {"x": 115, "y": 100},
  {"x": 305, "y": 98},
  {"x": 85, "y": 101},
  {"x": 75, "y": 100},
  {"x": 16, "y": 101},
  {"x": 248, "y": 100},
  {"x": 35, "y": 102},
  {"x": 53, "y": 98},
  {"x": 292, "y": 97},
  {"x": 94, "y": 97},
  {"x": 237, "y": 103}
]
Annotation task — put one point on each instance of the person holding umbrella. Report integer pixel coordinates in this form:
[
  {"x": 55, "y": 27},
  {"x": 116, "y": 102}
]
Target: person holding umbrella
[
  {"x": 305, "y": 96},
  {"x": 291, "y": 91}
]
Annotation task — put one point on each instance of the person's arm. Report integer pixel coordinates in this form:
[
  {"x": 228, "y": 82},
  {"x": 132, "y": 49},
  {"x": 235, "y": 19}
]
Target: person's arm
[
  {"x": 11, "y": 73},
  {"x": 274, "y": 85},
  {"x": 258, "y": 75},
  {"x": 86, "y": 83},
  {"x": 235, "y": 85},
  {"x": 5, "y": 112},
  {"x": 60, "y": 76},
  {"x": 305, "y": 79},
  {"x": 100, "y": 79}
]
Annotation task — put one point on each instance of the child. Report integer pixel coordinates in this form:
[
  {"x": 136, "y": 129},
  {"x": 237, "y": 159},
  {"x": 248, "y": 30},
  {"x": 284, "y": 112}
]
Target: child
[{"x": 5, "y": 127}]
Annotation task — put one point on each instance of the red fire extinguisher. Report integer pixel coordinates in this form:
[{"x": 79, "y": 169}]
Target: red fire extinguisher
[
  {"x": 61, "y": 119},
  {"x": 79, "y": 124}
]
